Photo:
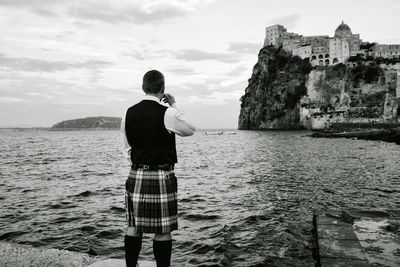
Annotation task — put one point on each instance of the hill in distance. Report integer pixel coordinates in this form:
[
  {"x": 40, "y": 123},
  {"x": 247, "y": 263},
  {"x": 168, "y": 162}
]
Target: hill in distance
[{"x": 89, "y": 123}]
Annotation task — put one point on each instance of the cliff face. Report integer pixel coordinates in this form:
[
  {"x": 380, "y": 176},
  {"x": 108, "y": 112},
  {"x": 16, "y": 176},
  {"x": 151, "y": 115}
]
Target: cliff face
[
  {"x": 271, "y": 100},
  {"x": 90, "y": 123},
  {"x": 284, "y": 91},
  {"x": 364, "y": 90}
]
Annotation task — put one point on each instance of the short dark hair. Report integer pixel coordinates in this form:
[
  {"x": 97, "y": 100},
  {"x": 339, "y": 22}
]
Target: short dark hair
[{"x": 153, "y": 82}]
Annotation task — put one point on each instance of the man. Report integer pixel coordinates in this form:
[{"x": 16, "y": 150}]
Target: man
[{"x": 149, "y": 130}]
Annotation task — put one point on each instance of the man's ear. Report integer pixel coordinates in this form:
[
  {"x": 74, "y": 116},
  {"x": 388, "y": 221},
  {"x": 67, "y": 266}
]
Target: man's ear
[{"x": 163, "y": 89}]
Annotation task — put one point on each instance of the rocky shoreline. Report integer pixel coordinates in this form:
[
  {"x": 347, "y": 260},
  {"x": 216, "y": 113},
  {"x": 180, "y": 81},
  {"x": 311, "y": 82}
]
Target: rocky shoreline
[
  {"x": 12, "y": 254},
  {"x": 386, "y": 135}
]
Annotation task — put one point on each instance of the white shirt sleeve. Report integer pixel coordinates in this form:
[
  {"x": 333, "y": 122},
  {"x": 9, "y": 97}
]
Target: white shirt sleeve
[
  {"x": 174, "y": 121},
  {"x": 126, "y": 148}
]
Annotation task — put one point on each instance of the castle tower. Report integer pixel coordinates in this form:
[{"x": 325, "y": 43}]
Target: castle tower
[{"x": 274, "y": 34}]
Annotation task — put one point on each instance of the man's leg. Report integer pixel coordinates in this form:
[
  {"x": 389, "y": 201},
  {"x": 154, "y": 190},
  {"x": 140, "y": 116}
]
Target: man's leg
[
  {"x": 133, "y": 244},
  {"x": 162, "y": 247}
]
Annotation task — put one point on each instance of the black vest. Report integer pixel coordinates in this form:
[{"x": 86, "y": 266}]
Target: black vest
[{"x": 151, "y": 142}]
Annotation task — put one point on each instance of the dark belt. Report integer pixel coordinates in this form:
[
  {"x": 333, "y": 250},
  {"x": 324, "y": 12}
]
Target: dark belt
[{"x": 165, "y": 167}]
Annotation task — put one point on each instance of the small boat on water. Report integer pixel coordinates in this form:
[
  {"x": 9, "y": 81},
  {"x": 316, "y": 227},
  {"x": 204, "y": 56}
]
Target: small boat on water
[
  {"x": 214, "y": 133},
  {"x": 219, "y": 133}
]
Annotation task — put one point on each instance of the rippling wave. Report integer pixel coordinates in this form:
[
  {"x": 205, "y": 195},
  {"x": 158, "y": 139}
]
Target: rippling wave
[{"x": 244, "y": 200}]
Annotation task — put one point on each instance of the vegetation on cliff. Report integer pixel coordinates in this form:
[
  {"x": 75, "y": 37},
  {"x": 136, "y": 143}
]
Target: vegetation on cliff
[
  {"x": 90, "y": 123},
  {"x": 272, "y": 96}
]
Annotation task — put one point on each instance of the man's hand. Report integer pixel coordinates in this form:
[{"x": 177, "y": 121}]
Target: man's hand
[{"x": 168, "y": 98}]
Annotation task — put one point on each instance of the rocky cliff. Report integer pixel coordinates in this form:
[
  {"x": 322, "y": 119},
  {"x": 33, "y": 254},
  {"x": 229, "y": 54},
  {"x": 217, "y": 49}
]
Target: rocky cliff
[
  {"x": 271, "y": 100},
  {"x": 284, "y": 90},
  {"x": 90, "y": 123}
]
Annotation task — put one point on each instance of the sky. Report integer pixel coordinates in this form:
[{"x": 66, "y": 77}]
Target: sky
[{"x": 68, "y": 59}]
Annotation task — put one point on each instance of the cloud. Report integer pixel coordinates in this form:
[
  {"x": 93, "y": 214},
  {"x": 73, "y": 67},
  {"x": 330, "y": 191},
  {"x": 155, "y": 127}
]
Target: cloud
[
  {"x": 44, "y": 12},
  {"x": 146, "y": 54},
  {"x": 40, "y": 65},
  {"x": 288, "y": 21},
  {"x": 39, "y": 7},
  {"x": 28, "y": 3},
  {"x": 198, "y": 55},
  {"x": 192, "y": 89},
  {"x": 11, "y": 100},
  {"x": 222, "y": 88},
  {"x": 181, "y": 70},
  {"x": 139, "y": 11},
  {"x": 131, "y": 14},
  {"x": 237, "y": 71},
  {"x": 244, "y": 47}
]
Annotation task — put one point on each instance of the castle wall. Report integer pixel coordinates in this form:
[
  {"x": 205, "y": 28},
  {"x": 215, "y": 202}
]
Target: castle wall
[
  {"x": 355, "y": 43},
  {"x": 339, "y": 50},
  {"x": 387, "y": 51},
  {"x": 290, "y": 44},
  {"x": 302, "y": 51},
  {"x": 317, "y": 40}
]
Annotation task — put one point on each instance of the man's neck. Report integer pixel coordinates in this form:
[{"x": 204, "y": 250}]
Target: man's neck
[{"x": 159, "y": 95}]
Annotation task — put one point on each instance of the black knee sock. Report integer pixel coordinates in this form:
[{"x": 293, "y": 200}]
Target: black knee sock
[
  {"x": 132, "y": 250},
  {"x": 162, "y": 252}
]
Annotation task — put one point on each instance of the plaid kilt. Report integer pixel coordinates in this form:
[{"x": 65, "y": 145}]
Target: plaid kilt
[{"x": 151, "y": 202}]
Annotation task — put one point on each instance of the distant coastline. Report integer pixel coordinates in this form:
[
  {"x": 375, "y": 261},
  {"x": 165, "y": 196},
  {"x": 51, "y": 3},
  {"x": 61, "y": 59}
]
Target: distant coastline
[
  {"x": 89, "y": 123},
  {"x": 81, "y": 129}
]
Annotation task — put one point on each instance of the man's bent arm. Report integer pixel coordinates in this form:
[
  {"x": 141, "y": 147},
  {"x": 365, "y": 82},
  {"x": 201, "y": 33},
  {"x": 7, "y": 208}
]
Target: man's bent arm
[
  {"x": 174, "y": 121},
  {"x": 126, "y": 148}
]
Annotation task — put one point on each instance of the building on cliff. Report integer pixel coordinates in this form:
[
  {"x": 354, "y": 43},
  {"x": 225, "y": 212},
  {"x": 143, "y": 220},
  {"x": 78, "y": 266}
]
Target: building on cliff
[
  {"x": 321, "y": 50},
  {"x": 387, "y": 51}
]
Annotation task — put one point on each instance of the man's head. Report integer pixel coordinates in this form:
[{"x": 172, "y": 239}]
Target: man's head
[{"x": 153, "y": 82}]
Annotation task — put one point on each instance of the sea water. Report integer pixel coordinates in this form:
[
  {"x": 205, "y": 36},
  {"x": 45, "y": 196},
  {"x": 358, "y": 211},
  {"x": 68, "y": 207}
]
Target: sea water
[{"x": 244, "y": 199}]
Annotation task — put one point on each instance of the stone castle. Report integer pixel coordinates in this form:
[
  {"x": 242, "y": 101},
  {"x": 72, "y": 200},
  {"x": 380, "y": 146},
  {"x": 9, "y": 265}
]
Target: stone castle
[{"x": 323, "y": 50}]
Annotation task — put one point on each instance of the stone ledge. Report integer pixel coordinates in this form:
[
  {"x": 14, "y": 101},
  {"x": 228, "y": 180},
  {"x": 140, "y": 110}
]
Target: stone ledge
[
  {"x": 357, "y": 237},
  {"x": 331, "y": 262}
]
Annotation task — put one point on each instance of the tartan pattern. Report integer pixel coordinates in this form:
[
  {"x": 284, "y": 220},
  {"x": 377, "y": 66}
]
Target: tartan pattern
[{"x": 151, "y": 202}]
